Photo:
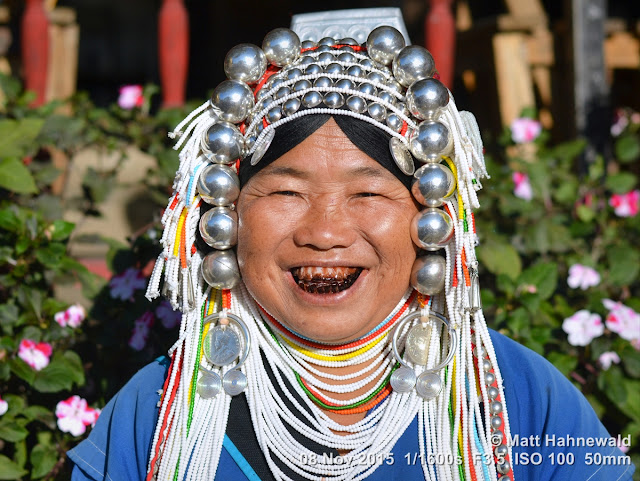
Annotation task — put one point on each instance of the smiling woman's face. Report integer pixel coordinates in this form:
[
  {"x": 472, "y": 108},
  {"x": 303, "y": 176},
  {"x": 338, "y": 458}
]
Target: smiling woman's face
[{"x": 324, "y": 242}]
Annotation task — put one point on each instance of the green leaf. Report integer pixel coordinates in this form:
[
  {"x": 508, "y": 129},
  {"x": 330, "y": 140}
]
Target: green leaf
[
  {"x": 22, "y": 370},
  {"x": 624, "y": 264},
  {"x": 627, "y": 148},
  {"x": 43, "y": 459},
  {"x": 12, "y": 431},
  {"x": 518, "y": 321},
  {"x": 14, "y": 176},
  {"x": 61, "y": 230},
  {"x": 631, "y": 361},
  {"x": 17, "y": 136},
  {"x": 37, "y": 412},
  {"x": 544, "y": 276},
  {"x": 9, "y": 219},
  {"x": 51, "y": 255},
  {"x": 611, "y": 383},
  {"x": 9, "y": 469},
  {"x": 585, "y": 214},
  {"x": 621, "y": 182},
  {"x": 500, "y": 258},
  {"x": 61, "y": 373}
]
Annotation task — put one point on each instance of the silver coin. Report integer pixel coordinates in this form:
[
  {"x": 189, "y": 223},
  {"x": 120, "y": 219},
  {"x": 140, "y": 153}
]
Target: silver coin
[
  {"x": 417, "y": 345},
  {"x": 221, "y": 346},
  {"x": 429, "y": 385},
  {"x": 263, "y": 146},
  {"x": 403, "y": 379},
  {"x": 209, "y": 385},
  {"x": 234, "y": 382},
  {"x": 401, "y": 155}
]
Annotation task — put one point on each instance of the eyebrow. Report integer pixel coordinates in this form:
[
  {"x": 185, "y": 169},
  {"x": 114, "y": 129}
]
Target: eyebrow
[{"x": 372, "y": 172}]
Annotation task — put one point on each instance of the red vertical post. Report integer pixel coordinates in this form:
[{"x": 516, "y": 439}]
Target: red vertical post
[
  {"x": 173, "y": 51},
  {"x": 440, "y": 38},
  {"x": 34, "y": 39}
]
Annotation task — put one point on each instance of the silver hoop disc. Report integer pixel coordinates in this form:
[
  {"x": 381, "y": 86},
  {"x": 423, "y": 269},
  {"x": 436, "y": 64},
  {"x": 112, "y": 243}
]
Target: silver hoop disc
[
  {"x": 234, "y": 382},
  {"x": 403, "y": 379},
  {"x": 262, "y": 147},
  {"x": 209, "y": 385},
  {"x": 429, "y": 385},
  {"x": 401, "y": 155},
  {"x": 221, "y": 346},
  {"x": 418, "y": 342}
]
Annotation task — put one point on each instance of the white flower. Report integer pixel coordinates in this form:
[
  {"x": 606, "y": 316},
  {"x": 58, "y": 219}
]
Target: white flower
[
  {"x": 74, "y": 415},
  {"x": 35, "y": 355},
  {"x": 622, "y": 320},
  {"x": 4, "y": 405},
  {"x": 583, "y": 327},
  {"x": 71, "y": 317},
  {"x": 608, "y": 358},
  {"x": 582, "y": 277}
]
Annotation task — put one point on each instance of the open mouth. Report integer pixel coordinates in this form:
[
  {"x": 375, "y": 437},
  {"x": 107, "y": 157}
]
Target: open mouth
[{"x": 325, "y": 280}]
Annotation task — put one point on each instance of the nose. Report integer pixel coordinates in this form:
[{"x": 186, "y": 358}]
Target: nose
[{"x": 325, "y": 225}]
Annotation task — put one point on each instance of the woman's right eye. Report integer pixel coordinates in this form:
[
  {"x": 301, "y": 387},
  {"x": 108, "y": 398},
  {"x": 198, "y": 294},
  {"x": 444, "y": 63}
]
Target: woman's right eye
[{"x": 285, "y": 192}]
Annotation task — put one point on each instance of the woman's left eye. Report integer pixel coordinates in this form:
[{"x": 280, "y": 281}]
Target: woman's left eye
[{"x": 366, "y": 194}]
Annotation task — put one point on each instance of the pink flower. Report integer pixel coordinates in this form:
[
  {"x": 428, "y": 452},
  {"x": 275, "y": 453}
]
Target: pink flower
[
  {"x": 74, "y": 415},
  {"x": 524, "y": 130},
  {"x": 582, "y": 277},
  {"x": 72, "y": 317},
  {"x": 625, "y": 205},
  {"x": 130, "y": 97},
  {"x": 140, "y": 333},
  {"x": 126, "y": 283},
  {"x": 620, "y": 123},
  {"x": 523, "y": 186},
  {"x": 608, "y": 358},
  {"x": 4, "y": 405},
  {"x": 35, "y": 355},
  {"x": 168, "y": 317},
  {"x": 622, "y": 320},
  {"x": 583, "y": 327}
]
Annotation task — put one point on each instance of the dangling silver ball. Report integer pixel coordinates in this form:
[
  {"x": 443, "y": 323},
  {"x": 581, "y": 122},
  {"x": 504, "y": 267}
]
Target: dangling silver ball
[
  {"x": 426, "y": 98},
  {"x": 384, "y": 43},
  {"x": 224, "y": 143},
  {"x": 218, "y": 185},
  {"x": 433, "y": 182},
  {"x": 281, "y": 46},
  {"x": 219, "y": 228},
  {"x": 234, "y": 99},
  {"x": 413, "y": 63},
  {"x": 431, "y": 229},
  {"x": 430, "y": 141},
  {"x": 220, "y": 269},
  {"x": 427, "y": 275},
  {"x": 245, "y": 62}
]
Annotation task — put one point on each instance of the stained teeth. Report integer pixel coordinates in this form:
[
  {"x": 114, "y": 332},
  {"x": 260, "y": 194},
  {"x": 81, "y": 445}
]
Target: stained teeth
[{"x": 325, "y": 280}]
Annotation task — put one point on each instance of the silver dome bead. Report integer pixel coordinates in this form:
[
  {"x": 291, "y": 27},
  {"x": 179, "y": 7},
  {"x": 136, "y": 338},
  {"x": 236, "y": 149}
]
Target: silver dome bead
[
  {"x": 282, "y": 92},
  {"x": 387, "y": 97},
  {"x": 274, "y": 114},
  {"x": 426, "y": 98},
  {"x": 324, "y": 49},
  {"x": 366, "y": 88},
  {"x": 259, "y": 128},
  {"x": 355, "y": 70},
  {"x": 219, "y": 228},
  {"x": 262, "y": 93},
  {"x": 347, "y": 57},
  {"x": 275, "y": 81},
  {"x": 365, "y": 62},
  {"x": 234, "y": 99},
  {"x": 250, "y": 142},
  {"x": 224, "y": 143},
  {"x": 293, "y": 73},
  {"x": 245, "y": 62},
  {"x": 394, "y": 122},
  {"x": 496, "y": 436},
  {"x": 346, "y": 48},
  {"x": 496, "y": 422},
  {"x": 322, "y": 82},
  {"x": 496, "y": 407},
  {"x": 334, "y": 100},
  {"x": 501, "y": 451},
  {"x": 333, "y": 68},
  {"x": 356, "y": 104},
  {"x": 433, "y": 182},
  {"x": 430, "y": 141},
  {"x": 505, "y": 478},
  {"x": 291, "y": 106},
  {"x": 345, "y": 84},
  {"x": 427, "y": 274},
  {"x": 348, "y": 41},
  {"x": 486, "y": 365},
  {"x": 330, "y": 41},
  {"x": 307, "y": 44},
  {"x": 503, "y": 467},
  {"x": 493, "y": 392},
  {"x": 301, "y": 85},
  {"x": 306, "y": 60},
  {"x": 377, "y": 112},
  {"x": 431, "y": 229},
  {"x": 411, "y": 64},
  {"x": 313, "y": 69},
  {"x": 394, "y": 86},
  {"x": 218, "y": 185},
  {"x": 311, "y": 99},
  {"x": 489, "y": 378},
  {"x": 376, "y": 77},
  {"x": 220, "y": 269},
  {"x": 384, "y": 43},
  {"x": 281, "y": 46},
  {"x": 325, "y": 57}
]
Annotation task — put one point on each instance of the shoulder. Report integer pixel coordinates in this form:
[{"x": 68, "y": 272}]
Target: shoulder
[
  {"x": 554, "y": 431},
  {"x": 118, "y": 446}
]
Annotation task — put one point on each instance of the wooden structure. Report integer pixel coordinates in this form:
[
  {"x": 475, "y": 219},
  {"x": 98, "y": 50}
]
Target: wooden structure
[{"x": 173, "y": 50}]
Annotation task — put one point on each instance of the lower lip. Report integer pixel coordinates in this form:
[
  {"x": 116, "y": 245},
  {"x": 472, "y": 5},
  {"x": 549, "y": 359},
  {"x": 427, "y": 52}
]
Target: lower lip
[{"x": 326, "y": 299}]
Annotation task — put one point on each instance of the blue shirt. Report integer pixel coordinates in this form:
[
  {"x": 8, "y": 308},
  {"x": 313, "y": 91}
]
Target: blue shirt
[{"x": 556, "y": 434}]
